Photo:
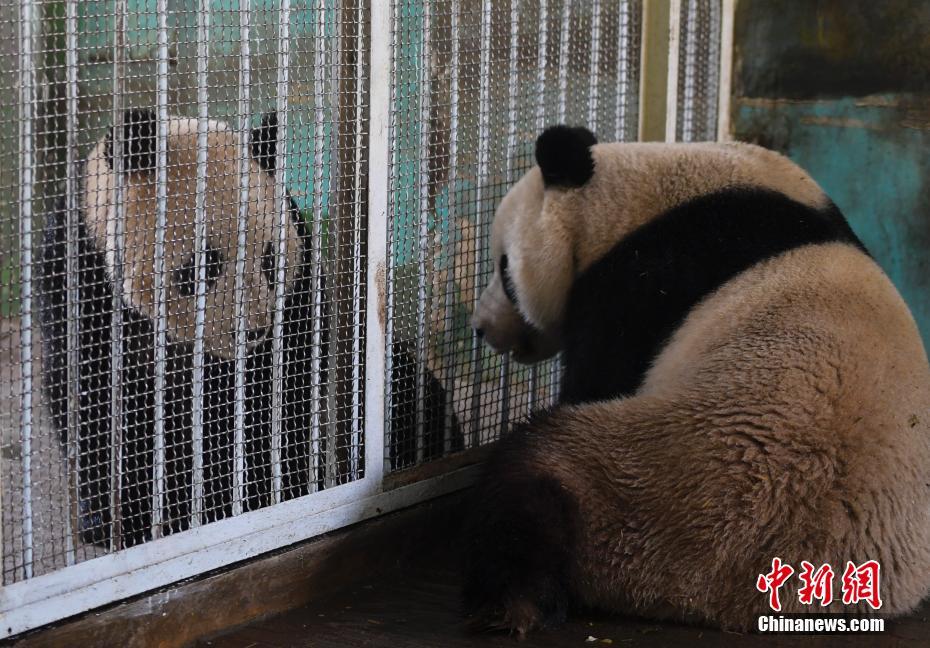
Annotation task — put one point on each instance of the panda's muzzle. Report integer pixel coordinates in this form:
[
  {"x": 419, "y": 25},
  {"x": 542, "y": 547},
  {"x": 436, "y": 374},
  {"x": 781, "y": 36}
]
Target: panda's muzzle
[{"x": 256, "y": 335}]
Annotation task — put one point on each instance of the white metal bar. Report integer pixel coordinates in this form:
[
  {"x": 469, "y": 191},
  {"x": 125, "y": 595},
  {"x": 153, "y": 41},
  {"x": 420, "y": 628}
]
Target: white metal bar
[
  {"x": 623, "y": 70},
  {"x": 316, "y": 249},
  {"x": 712, "y": 98},
  {"x": 386, "y": 54},
  {"x": 671, "y": 88},
  {"x": 71, "y": 280},
  {"x": 564, "y": 52},
  {"x": 449, "y": 251},
  {"x": 242, "y": 214},
  {"x": 116, "y": 329},
  {"x": 145, "y": 567},
  {"x": 332, "y": 263},
  {"x": 690, "y": 72},
  {"x": 281, "y": 200},
  {"x": 594, "y": 74},
  {"x": 564, "y": 42},
  {"x": 377, "y": 308},
  {"x": 161, "y": 296},
  {"x": 484, "y": 101},
  {"x": 424, "y": 83},
  {"x": 542, "y": 62},
  {"x": 27, "y": 80},
  {"x": 513, "y": 83},
  {"x": 357, "y": 278},
  {"x": 541, "y": 67},
  {"x": 724, "y": 86},
  {"x": 200, "y": 253}
]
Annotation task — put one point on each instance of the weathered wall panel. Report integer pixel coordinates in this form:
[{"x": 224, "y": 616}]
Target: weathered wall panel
[{"x": 843, "y": 88}]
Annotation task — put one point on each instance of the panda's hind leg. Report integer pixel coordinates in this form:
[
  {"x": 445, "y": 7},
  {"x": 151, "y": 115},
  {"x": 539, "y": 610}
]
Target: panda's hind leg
[{"x": 521, "y": 543}]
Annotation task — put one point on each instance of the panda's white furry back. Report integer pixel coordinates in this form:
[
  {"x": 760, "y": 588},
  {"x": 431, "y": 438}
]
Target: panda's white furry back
[{"x": 742, "y": 382}]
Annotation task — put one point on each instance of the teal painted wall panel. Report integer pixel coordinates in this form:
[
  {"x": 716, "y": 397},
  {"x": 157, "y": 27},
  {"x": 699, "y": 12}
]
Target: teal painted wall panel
[
  {"x": 874, "y": 168},
  {"x": 843, "y": 88}
]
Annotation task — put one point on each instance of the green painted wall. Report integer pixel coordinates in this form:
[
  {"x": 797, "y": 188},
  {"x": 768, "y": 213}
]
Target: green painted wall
[{"x": 843, "y": 88}]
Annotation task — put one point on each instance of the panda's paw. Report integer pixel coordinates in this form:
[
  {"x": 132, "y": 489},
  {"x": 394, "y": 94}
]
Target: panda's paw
[
  {"x": 518, "y": 615},
  {"x": 517, "y": 618}
]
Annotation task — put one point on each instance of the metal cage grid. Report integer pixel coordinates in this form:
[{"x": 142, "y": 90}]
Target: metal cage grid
[
  {"x": 698, "y": 70},
  {"x": 121, "y": 423},
  {"x": 473, "y": 83}
]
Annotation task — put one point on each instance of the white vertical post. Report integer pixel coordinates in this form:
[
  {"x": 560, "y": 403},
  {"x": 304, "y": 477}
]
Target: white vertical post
[
  {"x": 72, "y": 265},
  {"x": 671, "y": 88},
  {"x": 331, "y": 264},
  {"x": 242, "y": 214},
  {"x": 724, "y": 87},
  {"x": 161, "y": 321},
  {"x": 357, "y": 330},
  {"x": 377, "y": 308},
  {"x": 513, "y": 88},
  {"x": 116, "y": 232},
  {"x": 394, "y": 21},
  {"x": 424, "y": 82},
  {"x": 690, "y": 72},
  {"x": 27, "y": 80},
  {"x": 594, "y": 74},
  {"x": 284, "y": 210},
  {"x": 200, "y": 253},
  {"x": 316, "y": 243},
  {"x": 564, "y": 51},
  {"x": 448, "y": 306},
  {"x": 541, "y": 63},
  {"x": 484, "y": 101},
  {"x": 564, "y": 42},
  {"x": 623, "y": 70}
]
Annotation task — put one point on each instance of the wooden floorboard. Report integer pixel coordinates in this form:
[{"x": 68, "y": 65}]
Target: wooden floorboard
[{"x": 418, "y": 607}]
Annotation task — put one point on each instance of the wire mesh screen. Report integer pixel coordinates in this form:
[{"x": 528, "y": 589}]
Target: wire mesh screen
[
  {"x": 182, "y": 263},
  {"x": 474, "y": 82},
  {"x": 698, "y": 70}
]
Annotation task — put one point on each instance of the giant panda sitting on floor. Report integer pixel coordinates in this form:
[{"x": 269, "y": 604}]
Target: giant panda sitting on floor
[
  {"x": 742, "y": 382},
  {"x": 96, "y": 258}
]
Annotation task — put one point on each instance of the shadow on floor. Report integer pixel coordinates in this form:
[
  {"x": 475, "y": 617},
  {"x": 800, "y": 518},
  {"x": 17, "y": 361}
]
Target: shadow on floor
[{"x": 417, "y": 607}]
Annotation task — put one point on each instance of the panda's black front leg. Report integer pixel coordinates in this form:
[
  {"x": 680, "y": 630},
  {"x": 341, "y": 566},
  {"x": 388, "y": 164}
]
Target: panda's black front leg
[{"x": 520, "y": 545}]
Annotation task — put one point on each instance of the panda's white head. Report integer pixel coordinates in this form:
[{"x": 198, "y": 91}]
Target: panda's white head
[
  {"x": 580, "y": 201},
  {"x": 221, "y": 208}
]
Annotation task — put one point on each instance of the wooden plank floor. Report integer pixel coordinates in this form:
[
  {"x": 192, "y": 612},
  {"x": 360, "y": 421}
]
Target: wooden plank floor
[{"x": 418, "y": 607}]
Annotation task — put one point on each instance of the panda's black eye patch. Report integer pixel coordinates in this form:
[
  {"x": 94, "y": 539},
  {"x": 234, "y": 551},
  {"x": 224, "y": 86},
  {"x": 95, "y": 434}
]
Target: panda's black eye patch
[
  {"x": 507, "y": 282},
  {"x": 268, "y": 264},
  {"x": 185, "y": 277}
]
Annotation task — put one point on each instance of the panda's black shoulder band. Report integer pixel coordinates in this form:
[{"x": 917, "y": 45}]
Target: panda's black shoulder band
[
  {"x": 265, "y": 142},
  {"x": 140, "y": 126},
  {"x": 626, "y": 305},
  {"x": 564, "y": 155}
]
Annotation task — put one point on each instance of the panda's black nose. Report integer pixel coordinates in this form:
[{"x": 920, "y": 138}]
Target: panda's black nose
[
  {"x": 255, "y": 335},
  {"x": 479, "y": 332}
]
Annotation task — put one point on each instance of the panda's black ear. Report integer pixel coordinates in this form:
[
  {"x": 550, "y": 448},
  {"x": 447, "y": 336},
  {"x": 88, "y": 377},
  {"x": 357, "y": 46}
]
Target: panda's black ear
[
  {"x": 564, "y": 155},
  {"x": 265, "y": 142},
  {"x": 140, "y": 126}
]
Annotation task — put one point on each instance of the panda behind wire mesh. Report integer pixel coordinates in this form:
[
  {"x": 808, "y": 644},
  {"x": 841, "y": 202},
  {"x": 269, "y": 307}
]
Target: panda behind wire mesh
[{"x": 97, "y": 268}]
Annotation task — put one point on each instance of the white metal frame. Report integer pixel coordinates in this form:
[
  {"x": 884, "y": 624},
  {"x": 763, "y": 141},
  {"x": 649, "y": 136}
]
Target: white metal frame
[
  {"x": 43, "y": 599},
  {"x": 37, "y": 601}
]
